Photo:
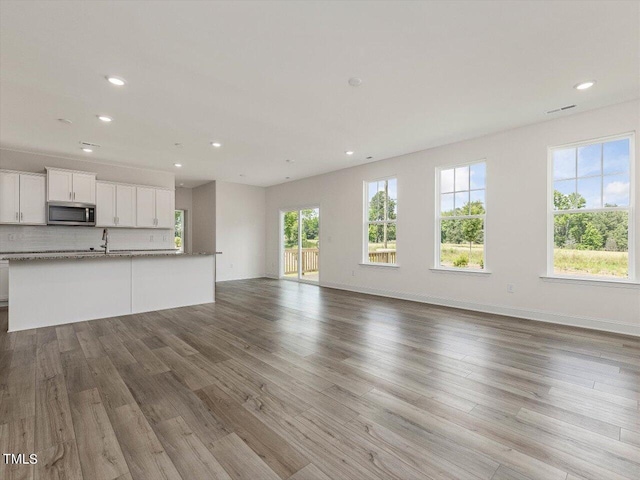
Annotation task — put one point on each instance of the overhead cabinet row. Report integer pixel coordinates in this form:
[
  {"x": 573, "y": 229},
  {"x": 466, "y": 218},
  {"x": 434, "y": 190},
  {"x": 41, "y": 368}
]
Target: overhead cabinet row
[
  {"x": 130, "y": 206},
  {"x": 24, "y": 197}
]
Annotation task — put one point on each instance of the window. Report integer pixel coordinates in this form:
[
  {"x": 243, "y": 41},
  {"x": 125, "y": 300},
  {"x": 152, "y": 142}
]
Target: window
[
  {"x": 380, "y": 221},
  {"x": 460, "y": 215},
  {"x": 590, "y": 209},
  {"x": 179, "y": 230}
]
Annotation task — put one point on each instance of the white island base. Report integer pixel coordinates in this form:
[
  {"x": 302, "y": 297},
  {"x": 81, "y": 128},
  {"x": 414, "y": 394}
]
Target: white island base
[{"x": 46, "y": 292}]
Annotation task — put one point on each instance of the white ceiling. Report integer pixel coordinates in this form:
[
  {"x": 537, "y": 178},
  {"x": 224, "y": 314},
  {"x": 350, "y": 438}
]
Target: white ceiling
[{"x": 269, "y": 79}]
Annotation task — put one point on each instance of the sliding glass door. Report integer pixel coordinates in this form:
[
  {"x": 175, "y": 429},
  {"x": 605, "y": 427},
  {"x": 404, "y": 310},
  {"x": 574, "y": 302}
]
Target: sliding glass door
[{"x": 300, "y": 245}]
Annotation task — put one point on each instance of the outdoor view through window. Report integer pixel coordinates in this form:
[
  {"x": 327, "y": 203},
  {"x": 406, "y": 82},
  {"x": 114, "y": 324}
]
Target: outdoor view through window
[
  {"x": 461, "y": 216},
  {"x": 380, "y": 222},
  {"x": 591, "y": 200}
]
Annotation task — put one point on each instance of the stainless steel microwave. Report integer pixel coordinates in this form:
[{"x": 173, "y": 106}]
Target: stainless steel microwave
[{"x": 71, "y": 214}]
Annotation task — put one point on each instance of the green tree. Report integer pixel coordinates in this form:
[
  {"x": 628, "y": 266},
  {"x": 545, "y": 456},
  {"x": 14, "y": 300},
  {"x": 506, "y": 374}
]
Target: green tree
[
  {"x": 592, "y": 238},
  {"x": 291, "y": 229},
  {"x": 382, "y": 207}
]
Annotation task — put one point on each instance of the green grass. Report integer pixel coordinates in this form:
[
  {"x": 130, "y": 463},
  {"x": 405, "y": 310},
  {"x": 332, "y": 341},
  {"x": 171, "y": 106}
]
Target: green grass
[
  {"x": 592, "y": 262},
  {"x": 450, "y": 252},
  {"x": 373, "y": 247}
]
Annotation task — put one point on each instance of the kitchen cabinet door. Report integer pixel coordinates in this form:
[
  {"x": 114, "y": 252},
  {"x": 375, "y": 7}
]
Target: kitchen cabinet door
[
  {"x": 105, "y": 205},
  {"x": 126, "y": 205},
  {"x": 33, "y": 208},
  {"x": 165, "y": 210},
  {"x": 84, "y": 188},
  {"x": 9, "y": 197},
  {"x": 4, "y": 281},
  {"x": 59, "y": 186},
  {"x": 145, "y": 207}
]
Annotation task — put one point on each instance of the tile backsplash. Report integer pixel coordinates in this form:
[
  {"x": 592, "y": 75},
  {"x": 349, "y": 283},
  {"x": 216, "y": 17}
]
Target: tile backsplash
[{"x": 18, "y": 238}]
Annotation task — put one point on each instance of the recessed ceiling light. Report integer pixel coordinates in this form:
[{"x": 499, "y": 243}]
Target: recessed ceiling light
[
  {"x": 65, "y": 120},
  {"x": 117, "y": 81},
  {"x": 216, "y": 144},
  {"x": 349, "y": 152},
  {"x": 88, "y": 150},
  {"x": 585, "y": 85},
  {"x": 182, "y": 184},
  {"x": 177, "y": 165},
  {"x": 105, "y": 118},
  {"x": 355, "y": 81}
]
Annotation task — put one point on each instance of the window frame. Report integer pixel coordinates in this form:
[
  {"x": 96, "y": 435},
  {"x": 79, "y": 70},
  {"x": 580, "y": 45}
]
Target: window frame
[
  {"x": 552, "y": 212},
  {"x": 366, "y": 222},
  {"x": 439, "y": 217}
]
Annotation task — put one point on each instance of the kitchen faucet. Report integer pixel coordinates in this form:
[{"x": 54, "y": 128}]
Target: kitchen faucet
[{"x": 105, "y": 237}]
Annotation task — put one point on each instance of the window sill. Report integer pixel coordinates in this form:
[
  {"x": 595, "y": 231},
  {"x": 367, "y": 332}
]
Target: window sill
[
  {"x": 460, "y": 270},
  {"x": 590, "y": 281},
  {"x": 383, "y": 265}
]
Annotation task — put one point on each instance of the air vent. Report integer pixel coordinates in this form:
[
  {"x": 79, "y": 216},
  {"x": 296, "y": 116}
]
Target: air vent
[
  {"x": 561, "y": 109},
  {"x": 87, "y": 144}
]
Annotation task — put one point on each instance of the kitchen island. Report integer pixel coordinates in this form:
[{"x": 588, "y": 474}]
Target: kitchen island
[{"x": 48, "y": 289}]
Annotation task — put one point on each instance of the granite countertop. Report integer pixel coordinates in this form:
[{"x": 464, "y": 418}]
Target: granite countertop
[{"x": 86, "y": 254}]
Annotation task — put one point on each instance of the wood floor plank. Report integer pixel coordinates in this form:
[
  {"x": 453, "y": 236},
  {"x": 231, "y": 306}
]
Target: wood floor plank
[
  {"x": 53, "y": 414},
  {"x": 98, "y": 448},
  {"x": 59, "y": 462},
  {"x": 240, "y": 461},
  {"x": 188, "y": 453}
]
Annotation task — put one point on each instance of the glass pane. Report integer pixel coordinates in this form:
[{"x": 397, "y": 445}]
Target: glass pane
[
  {"x": 564, "y": 163},
  {"x": 616, "y": 190},
  {"x": 446, "y": 181},
  {"x": 376, "y": 200},
  {"x": 477, "y": 202},
  {"x": 591, "y": 244},
  {"x": 462, "y": 178},
  {"x": 382, "y": 243},
  {"x": 478, "y": 175},
  {"x": 179, "y": 230},
  {"x": 462, "y": 243},
  {"x": 309, "y": 255},
  {"x": 290, "y": 244},
  {"x": 589, "y": 160},
  {"x": 446, "y": 204},
  {"x": 590, "y": 189},
  {"x": 392, "y": 206},
  {"x": 462, "y": 203},
  {"x": 616, "y": 156}
]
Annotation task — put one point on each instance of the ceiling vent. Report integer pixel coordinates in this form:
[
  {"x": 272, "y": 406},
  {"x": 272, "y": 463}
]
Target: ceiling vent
[
  {"x": 561, "y": 109},
  {"x": 87, "y": 144}
]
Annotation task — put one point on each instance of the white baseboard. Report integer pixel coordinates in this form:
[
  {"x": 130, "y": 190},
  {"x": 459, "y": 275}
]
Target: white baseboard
[
  {"x": 538, "y": 315},
  {"x": 260, "y": 275}
]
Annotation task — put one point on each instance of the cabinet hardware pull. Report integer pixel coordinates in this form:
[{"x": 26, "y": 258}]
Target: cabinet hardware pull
[
  {"x": 16, "y": 215},
  {"x": 69, "y": 195},
  {"x": 21, "y": 216}
]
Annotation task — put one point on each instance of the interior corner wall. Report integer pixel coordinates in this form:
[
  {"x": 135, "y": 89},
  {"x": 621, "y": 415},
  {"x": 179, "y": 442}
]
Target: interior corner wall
[
  {"x": 240, "y": 231},
  {"x": 516, "y": 227},
  {"x": 204, "y": 218},
  {"x": 184, "y": 201}
]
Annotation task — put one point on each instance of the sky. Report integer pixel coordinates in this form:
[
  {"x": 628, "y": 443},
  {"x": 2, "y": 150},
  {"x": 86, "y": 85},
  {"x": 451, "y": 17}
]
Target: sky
[{"x": 599, "y": 172}]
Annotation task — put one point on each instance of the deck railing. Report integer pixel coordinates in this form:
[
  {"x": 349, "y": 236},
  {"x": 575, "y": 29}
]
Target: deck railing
[{"x": 310, "y": 257}]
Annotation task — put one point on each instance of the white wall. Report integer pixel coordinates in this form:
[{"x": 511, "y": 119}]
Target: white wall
[
  {"x": 516, "y": 238},
  {"x": 240, "y": 231},
  {"x": 204, "y": 218},
  {"x": 17, "y": 238},
  {"x": 184, "y": 201}
]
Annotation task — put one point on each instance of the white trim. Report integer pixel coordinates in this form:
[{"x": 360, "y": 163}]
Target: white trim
[
  {"x": 537, "y": 315},
  {"x": 460, "y": 270},
  {"x": 281, "y": 214},
  {"x": 377, "y": 264},
  {"x": 366, "y": 222},
  {"x": 600, "y": 282}
]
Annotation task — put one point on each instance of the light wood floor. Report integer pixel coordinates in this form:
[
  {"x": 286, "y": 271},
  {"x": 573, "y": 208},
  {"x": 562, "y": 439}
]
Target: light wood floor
[{"x": 285, "y": 381}]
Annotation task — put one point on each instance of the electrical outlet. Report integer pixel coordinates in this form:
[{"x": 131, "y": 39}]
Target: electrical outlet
[
  {"x": 511, "y": 288},
  {"x": 231, "y": 265},
  {"x": 12, "y": 237},
  {"x": 353, "y": 273},
  {"x": 151, "y": 238},
  {"x": 164, "y": 238}
]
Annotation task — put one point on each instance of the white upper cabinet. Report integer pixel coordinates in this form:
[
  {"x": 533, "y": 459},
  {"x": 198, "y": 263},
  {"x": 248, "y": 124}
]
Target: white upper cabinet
[
  {"x": 9, "y": 197},
  {"x": 69, "y": 186},
  {"x": 59, "y": 186},
  {"x": 32, "y": 199},
  {"x": 126, "y": 206},
  {"x": 165, "y": 208},
  {"x": 155, "y": 207},
  {"x": 22, "y": 198},
  {"x": 105, "y": 204},
  {"x": 84, "y": 188},
  {"x": 145, "y": 207}
]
